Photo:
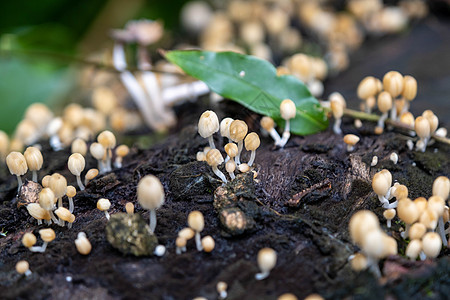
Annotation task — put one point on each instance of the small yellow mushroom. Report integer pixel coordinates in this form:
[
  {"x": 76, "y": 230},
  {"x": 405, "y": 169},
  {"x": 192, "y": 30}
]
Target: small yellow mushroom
[
  {"x": 208, "y": 124},
  {"x": 82, "y": 243},
  {"x": 129, "y": 208},
  {"x": 150, "y": 194},
  {"x": 63, "y": 214},
  {"x": 34, "y": 159},
  {"x": 47, "y": 201},
  {"x": 214, "y": 159},
  {"x": 37, "y": 212},
  {"x": 238, "y": 131},
  {"x": 22, "y": 267},
  {"x": 108, "y": 140},
  {"x": 221, "y": 288},
  {"x": 288, "y": 111},
  {"x": 99, "y": 152},
  {"x": 351, "y": 140},
  {"x": 384, "y": 102},
  {"x": 208, "y": 243},
  {"x": 103, "y": 205},
  {"x": 121, "y": 152},
  {"x": 197, "y": 223},
  {"x": 267, "y": 259},
  {"x": 389, "y": 214},
  {"x": 79, "y": 146},
  {"x": 58, "y": 184},
  {"x": 431, "y": 244},
  {"x": 252, "y": 143},
  {"x": 76, "y": 165},
  {"x": 180, "y": 242},
  {"x": 17, "y": 165},
  {"x": 71, "y": 192},
  {"x": 413, "y": 249},
  {"x": 91, "y": 174},
  {"x": 29, "y": 240},
  {"x": 422, "y": 128},
  {"x": 268, "y": 125}
]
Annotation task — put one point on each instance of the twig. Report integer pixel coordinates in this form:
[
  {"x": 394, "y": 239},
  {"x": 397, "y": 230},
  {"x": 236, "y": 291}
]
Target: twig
[{"x": 372, "y": 117}]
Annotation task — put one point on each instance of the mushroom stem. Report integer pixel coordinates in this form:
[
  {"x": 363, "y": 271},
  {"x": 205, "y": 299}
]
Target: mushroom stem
[
  {"x": 39, "y": 222},
  {"x": 441, "y": 230},
  {"x": 373, "y": 266},
  {"x": 422, "y": 255},
  {"x": 232, "y": 176},
  {"x": 107, "y": 162},
  {"x": 286, "y": 134},
  {"x": 60, "y": 204},
  {"x": 262, "y": 275},
  {"x": 69, "y": 225},
  {"x": 350, "y": 148},
  {"x": 54, "y": 219},
  {"x": 39, "y": 248},
  {"x": 152, "y": 221},
  {"x": 219, "y": 174},
  {"x": 252, "y": 158},
  {"x": 55, "y": 143},
  {"x": 80, "y": 184},
  {"x": 19, "y": 183},
  {"x": 107, "y": 215},
  {"x": 405, "y": 233},
  {"x": 275, "y": 136},
  {"x": 34, "y": 176},
  {"x": 237, "y": 159},
  {"x": 184, "y": 91},
  {"x": 28, "y": 272},
  {"x": 71, "y": 206},
  {"x": 405, "y": 107},
  {"x": 211, "y": 142},
  {"x": 381, "y": 120},
  {"x": 198, "y": 241},
  {"x": 388, "y": 223},
  {"x": 118, "y": 162},
  {"x": 337, "y": 126},
  {"x": 394, "y": 112},
  {"x": 178, "y": 250}
]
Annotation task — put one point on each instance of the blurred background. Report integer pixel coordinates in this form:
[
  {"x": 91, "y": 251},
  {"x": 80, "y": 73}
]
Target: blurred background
[{"x": 59, "y": 51}]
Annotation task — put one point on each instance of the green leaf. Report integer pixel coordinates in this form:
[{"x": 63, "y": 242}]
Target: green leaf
[{"x": 253, "y": 83}]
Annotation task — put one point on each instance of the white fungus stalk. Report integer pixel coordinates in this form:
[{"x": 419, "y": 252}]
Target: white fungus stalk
[
  {"x": 175, "y": 94},
  {"x": 287, "y": 111},
  {"x": 150, "y": 194},
  {"x": 214, "y": 158},
  {"x": 268, "y": 124},
  {"x": 197, "y": 223}
]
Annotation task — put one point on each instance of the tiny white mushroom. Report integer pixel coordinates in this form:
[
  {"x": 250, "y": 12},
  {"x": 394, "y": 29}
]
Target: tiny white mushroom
[{"x": 267, "y": 259}]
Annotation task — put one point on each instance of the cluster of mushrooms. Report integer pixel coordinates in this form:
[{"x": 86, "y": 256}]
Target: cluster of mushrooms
[
  {"x": 236, "y": 132},
  {"x": 196, "y": 224}
]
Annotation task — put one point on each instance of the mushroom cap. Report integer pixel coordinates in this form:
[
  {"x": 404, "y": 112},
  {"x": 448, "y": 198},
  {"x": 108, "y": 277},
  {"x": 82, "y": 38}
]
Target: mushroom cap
[
  {"x": 431, "y": 244},
  {"x": 384, "y": 101},
  {"x": 338, "y": 98},
  {"x": 214, "y": 158},
  {"x": 409, "y": 87},
  {"x": 47, "y": 234},
  {"x": 82, "y": 243},
  {"x": 407, "y": 118},
  {"x": 413, "y": 249},
  {"x": 208, "y": 124},
  {"x": 432, "y": 119},
  {"x": 196, "y": 220},
  {"x": 39, "y": 114},
  {"x": 186, "y": 233},
  {"x": 361, "y": 223},
  {"x": 401, "y": 191},
  {"x": 380, "y": 184},
  {"x": 107, "y": 139},
  {"x": 421, "y": 204},
  {"x": 46, "y": 180},
  {"x": 390, "y": 245},
  {"x": 422, "y": 127},
  {"x": 267, "y": 259},
  {"x": 351, "y": 139},
  {"x": 122, "y": 150},
  {"x": 34, "y": 158},
  {"x": 336, "y": 108},
  {"x": 407, "y": 211},
  {"x": 225, "y": 127},
  {"x": 150, "y": 192},
  {"x": 437, "y": 204},
  {"x": 4, "y": 144},
  {"x": 387, "y": 175},
  {"x": 389, "y": 214},
  {"x": 208, "y": 243},
  {"x": 393, "y": 83},
  {"x": 37, "y": 212},
  {"x": 374, "y": 244},
  {"x": 200, "y": 156},
  {"x": 104, "y": 100},
  {"x": 129, "y": 208},
  {"x": 145, "y": 32},
  {"x": 29, "y": 239},
  {"x": 73, "y": 114},
  {"x": 288, "y": 109},
  {"x": 429, "y": 218},
  {"x": 71, "y": 191},
  {"x": 252, "y": 141},
  {"x": 359, "y": 262},
  {"x": 367, "y": 88},
  {"x": 79, "y": 146},
  {"x": 416, "y": 231},
  {"x": 243, "y": 168},
  {"x": 22, "y": 266},
  {"x": 231, "y": 149},
  {"x": 76, "y": 164},
  {"x": 301, "y": 66},
  {"x": 97, "y": 151},
  {"x": 267, "y": 123},
  {"x": 103, "y": 204},
  {"x": 230, "y": 166},
  {"x": 180, "y": 242},
  {"x": 91, "y": 174},
  {"x": 63, "y": 213},
  {"x": 17, "y": 164},
  {"x": 441, "y": 187},
  {"x": 238, "y": 130},
  {"x": 47, "y": 199},
  {"x": 58, "y": 184}
]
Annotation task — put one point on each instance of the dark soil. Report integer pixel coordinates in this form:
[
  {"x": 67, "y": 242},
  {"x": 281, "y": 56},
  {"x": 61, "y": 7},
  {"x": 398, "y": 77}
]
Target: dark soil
[{"x": 310, "y": 234}]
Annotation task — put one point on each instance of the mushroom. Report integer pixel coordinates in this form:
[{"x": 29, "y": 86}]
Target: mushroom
[
  {"x": 4, "y": 145},
  {"x": 358, "y": 262},
  {"x": 381, "y": 184},
  {"x": 37, "y": 212},
  {"x": 393, "y": 84},
  {"x": 214, "y": 158},
  {"x": 389, "y": 214},
  {"x": 22, "y": 267},
  {"x": 47, "y": 201},
  {"x": 208, "y": 243},
  {"x": 221, "y": 288},
  {"x": 70, "y": 221},
  {"x": 121, "y": 152},
  {"x": 268, "y": 125},
  {"x": 129, "y": 208},
  {"x": 197, "y": 223},
  {"x": 437, "y": 204},
  {"x": 238, "y": 131},
  {"x": 17, "y": 165},
  {"x": 150, "y": 194},
  {"x": 29, "y": 240},
  {"x": 384, "y": 102},
  {"x": 413, "y": 249},
  {"x": 52, "y": 131},
  {"x": 58, "y": 184},
  {"x": 367, "y": 89},
  {"x": 409, "y": 91},
  {"x": 252, "y": 143},
  {"x": 429, "y": 218},
  {"x": 407, "y": 212},
  {"x": 225, "y": 128},
  {"x": 34, "y": 161},
  {"x": 98, "y": 152},
  {"x": 431, "y": 244},
  {"x": 244, "y": 168},
  {"x": 351, "y": 140},
  {"x": 337, "y": 105},
  {"x": 47, "y": 235},
  {"x": 394, "y": 157},
  {"x": 46, "y": 180},
  {"x": 91, "y": 174},
  {"x": 83, "y": 245},
  {"x": 63, "y": 214},
  {"x": 208, "y": 125},
  {"x": 417, "y": 231},
  {"x": 76, "y": 165},
  {"x": 104, "y": 204},
  {"x": 70, "y": 193},
  {"x": 108, "y": 141},
  {"x": 230, "y": 166},
  {"x": 441, "y": 187},
  {"x": 200, "y": 156},
  {"x": 180, "y": 242},
  {"x": 186, "y": 233},
  {"x": 160, "y": 250},
  {"x": 79, "y": 146},
  {"x": 422, "y": 128},
  {"x": 288, "y": 111},
  {"x": 267, "y": 259}
]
